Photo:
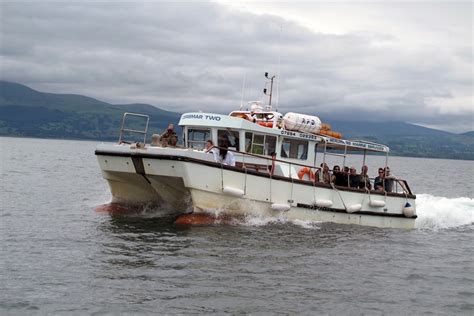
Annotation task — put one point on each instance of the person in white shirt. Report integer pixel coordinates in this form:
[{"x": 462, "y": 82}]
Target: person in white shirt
[
  {"x": 226, "y": 157},
  {"x": 209, "y": 148}
]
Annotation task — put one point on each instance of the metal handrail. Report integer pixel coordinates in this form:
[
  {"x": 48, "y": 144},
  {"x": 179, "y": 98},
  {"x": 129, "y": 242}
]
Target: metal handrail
[
  {"x": 122, "y": 129},
  {"x": 407, "y": 190}
]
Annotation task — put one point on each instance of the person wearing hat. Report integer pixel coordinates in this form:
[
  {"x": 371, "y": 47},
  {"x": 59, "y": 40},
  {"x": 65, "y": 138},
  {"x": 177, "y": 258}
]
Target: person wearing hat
[{"x": 169, "y": 137}]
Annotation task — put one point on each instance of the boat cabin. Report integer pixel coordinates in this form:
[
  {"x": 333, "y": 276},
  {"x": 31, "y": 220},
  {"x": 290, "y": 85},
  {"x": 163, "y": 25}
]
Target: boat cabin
[{"x": 263, "y": 133}]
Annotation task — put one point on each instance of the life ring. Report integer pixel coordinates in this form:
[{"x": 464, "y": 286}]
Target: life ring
[
  {"x": 306, "y": 171},
  {"x": 243, "y": 116},
  {"x": 266, "y": 124}
]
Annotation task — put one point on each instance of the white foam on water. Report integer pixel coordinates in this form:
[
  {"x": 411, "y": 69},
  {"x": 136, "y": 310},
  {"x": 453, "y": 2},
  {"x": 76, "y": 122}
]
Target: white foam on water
[
  {"x": 251, "y": 220},
  {"x": 435, "y": 212}
]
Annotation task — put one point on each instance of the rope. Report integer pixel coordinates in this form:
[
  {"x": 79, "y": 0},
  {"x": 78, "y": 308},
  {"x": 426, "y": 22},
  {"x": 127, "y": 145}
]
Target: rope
[{"x": 334, "y": 187}]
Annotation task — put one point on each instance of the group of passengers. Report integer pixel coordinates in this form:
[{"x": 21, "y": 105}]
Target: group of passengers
[{"x": 348, "y": 177}]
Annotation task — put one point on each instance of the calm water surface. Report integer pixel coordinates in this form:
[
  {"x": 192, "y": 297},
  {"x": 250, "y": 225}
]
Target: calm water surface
[{"x": 59, "y": 256}]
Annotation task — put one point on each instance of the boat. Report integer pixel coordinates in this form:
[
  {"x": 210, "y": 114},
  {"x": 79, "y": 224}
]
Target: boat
[{"x": 278, "y": 171}]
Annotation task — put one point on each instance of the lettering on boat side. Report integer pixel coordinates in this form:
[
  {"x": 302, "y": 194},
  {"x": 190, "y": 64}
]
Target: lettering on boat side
[
  {"x": 202, "y": 117},
  {"x": 357, "y": 144},
  {"x": 308, "y": 136},
  {"x": 287, "y": 133}
]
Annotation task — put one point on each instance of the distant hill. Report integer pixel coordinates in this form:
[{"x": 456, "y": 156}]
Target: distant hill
[
  {"x": 406, "y": 139},
  {"x": 30, "y": 113},
  {"x": 26, "y": 112}
]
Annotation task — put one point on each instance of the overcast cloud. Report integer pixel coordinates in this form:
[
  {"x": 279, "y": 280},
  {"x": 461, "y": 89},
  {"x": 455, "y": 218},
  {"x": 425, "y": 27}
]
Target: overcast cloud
[{"x": 358, "y": 61}]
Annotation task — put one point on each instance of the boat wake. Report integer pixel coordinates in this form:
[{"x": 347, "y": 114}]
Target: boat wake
[
  {"x": 433, "y": 212},
  {"x": 436, "y": 212}
]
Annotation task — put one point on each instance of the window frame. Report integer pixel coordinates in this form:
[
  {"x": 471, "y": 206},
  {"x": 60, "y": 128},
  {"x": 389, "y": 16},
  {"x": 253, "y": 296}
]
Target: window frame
[
  {"x": 264, "y": 146},
  {"x": 236, "y": 134},
  {"x": 301, "y": 153},
  {"x": 203, "y": 142}
]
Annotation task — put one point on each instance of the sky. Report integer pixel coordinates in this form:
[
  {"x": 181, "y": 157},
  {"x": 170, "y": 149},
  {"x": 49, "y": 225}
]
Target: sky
[{"x": 362, "y": 61}]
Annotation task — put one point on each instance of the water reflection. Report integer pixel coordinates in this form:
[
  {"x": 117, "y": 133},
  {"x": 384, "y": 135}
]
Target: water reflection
[{"x": 135, "y": 241}]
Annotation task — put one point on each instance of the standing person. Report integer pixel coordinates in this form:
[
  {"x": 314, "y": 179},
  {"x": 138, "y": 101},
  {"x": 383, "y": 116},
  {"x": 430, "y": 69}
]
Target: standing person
[
  {"x": 209, "y": 148},
  {"x": 226, "y": 157},
  {"x": 379, "y": 180},
  {"x": 169, "y": 137},
  {"x": 364, "y": 182}
]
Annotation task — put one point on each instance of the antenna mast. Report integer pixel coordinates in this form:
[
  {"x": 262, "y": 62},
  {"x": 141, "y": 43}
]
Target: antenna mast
[
  {"x": 271, "y": 88},
  {"x": 243, "y": 88},
  {"x": 279, "y": 68}
]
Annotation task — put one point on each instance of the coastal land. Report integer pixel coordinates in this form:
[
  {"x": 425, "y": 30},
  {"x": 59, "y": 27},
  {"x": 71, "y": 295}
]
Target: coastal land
[{"x": 25, "y": 112}]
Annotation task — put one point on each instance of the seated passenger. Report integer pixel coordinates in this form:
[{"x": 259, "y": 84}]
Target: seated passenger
[
  {"x": 364, "y": 180},
  {"x": 379, "y": 180},
  {"x": 209, "y": 148},
  {"x": 338, "y": 177},
  {"x": 226, "y": 157},
  {"x": 354, "y": 179},
  {"x": 389, "y": 180},
  {"x": 155, "y": 140},
  {"x": 345, "y": 179},
  {"x": 323, "y": 175}
]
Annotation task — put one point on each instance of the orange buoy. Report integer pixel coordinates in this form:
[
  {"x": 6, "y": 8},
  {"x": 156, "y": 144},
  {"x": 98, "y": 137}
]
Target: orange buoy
[
  {"x": 266, "y": 124},
  {"x": 306, "y": 171},
  {"x": 325, "y": 127},
  {"x": 330, "y": 133}
]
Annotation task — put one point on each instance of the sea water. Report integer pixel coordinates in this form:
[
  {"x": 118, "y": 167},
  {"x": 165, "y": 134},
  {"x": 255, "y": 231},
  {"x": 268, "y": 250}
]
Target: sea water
[{"x": 57, "y": 255}]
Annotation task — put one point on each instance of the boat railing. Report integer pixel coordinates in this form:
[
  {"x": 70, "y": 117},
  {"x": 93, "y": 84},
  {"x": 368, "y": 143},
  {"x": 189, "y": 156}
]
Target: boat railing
[
  {"x": 124, "y": 130},
  {"x": 268, "y": 164}
]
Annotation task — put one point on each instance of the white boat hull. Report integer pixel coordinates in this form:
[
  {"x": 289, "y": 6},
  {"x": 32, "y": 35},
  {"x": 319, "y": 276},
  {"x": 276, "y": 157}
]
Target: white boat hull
[{"x": 184, "y": 178}]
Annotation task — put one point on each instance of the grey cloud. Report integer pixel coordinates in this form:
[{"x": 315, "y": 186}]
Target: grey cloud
[{"x": 193, "y": 56}]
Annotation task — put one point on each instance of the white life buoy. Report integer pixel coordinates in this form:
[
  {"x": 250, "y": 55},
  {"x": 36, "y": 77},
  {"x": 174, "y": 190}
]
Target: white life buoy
[
  {"x": 354, "y": 208},
  {"x": 280, "y": 207},
  {"x": 233, "y": 191},
  {"x": 377, "y": 203},
  {"x": 323, "y": 203}
]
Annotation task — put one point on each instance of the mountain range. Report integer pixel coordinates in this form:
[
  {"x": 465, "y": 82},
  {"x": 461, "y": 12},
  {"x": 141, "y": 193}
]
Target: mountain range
[{"x": 25, "y": 112}]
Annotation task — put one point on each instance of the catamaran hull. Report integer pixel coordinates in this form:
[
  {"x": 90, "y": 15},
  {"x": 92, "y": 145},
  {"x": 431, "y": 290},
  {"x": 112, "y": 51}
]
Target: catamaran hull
[
  {"x": 183, "y": 182},
  {"x": 215, "y": 203}
]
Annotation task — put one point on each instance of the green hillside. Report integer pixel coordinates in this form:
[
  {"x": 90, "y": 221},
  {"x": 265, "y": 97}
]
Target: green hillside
[
  {"x": 29, "y": 113},
  {"x": 26, "y": 112}
]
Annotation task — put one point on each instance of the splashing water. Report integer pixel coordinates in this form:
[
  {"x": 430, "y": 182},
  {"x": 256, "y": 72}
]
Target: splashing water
[
  {"x": 433, "y": 212},
  {"x": 436, "y": 212},
  {"x": 251, "y": 220}
]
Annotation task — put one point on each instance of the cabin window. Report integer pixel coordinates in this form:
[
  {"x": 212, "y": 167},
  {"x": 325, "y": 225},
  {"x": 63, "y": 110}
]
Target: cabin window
[
  {"x": 197, "y": 138},
  {"x": 260, "y": 144},
  {"x": 230, "y": 137},
  {"x": 294, "y": 148}
]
